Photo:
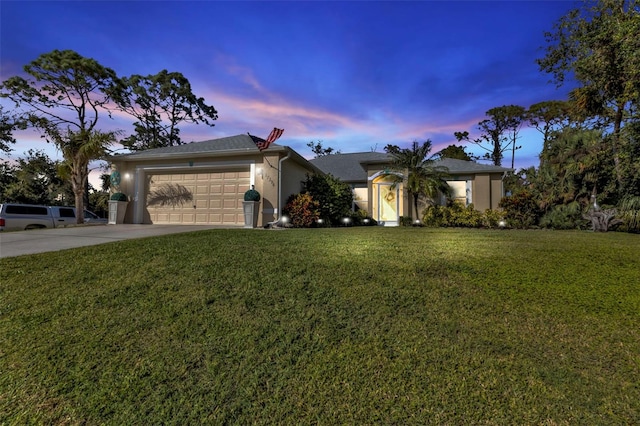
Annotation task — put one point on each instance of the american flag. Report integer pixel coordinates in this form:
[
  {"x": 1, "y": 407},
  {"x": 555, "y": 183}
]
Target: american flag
[{"x": 264, "y": 144}]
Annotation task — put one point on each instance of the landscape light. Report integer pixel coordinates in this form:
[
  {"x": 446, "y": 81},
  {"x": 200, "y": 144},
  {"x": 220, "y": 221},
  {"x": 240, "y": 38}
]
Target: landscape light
[
  {"x": 366, "y": 221},
  {"x": 502, "y": 224},
  {"x": 346, "y": 220},
  {"x": 320, "y": 221}
]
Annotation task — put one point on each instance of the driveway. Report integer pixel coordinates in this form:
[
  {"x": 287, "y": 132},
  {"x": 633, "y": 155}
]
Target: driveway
[{"x": 44, "y": 240}]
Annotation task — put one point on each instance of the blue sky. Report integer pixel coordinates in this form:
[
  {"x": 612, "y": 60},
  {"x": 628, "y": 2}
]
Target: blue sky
[{"x": 355, "y": 75}]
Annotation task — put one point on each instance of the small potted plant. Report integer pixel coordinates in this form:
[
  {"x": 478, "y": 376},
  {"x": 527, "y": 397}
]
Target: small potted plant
[
  {"x": 250, "y": 206},
  {"x": 117, "y": 208}
]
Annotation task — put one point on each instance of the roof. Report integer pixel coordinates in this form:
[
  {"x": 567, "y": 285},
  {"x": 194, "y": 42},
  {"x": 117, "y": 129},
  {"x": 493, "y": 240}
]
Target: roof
[
  {"x": 352, "y": 167},
  {"x": 230, "y": 144},
  {"x": 349, "y": 167}
]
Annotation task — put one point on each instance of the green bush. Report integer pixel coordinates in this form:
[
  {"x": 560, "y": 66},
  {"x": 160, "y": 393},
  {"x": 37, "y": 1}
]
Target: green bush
[
  {"x": 629, "y": 210},
  {"x": 302, "y": 210},
  {"x": 361, "y": 218},
  {"x": 455, "y": 214},
  {"x": 491, "y": 218},
  {"x": 252, "y": 195},
  {"x": 564, "y": 216},
  {"x": 334, "y": 197},
  {"x": 406, "y": 221},
  {"x": 119, "y": 196},
  {"x": 521, "y": 210}
]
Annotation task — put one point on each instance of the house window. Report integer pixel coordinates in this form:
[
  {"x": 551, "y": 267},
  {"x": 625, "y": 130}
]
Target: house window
[
  {"x": 361, "y": 198},
  {"x": 461, "y": 191}
]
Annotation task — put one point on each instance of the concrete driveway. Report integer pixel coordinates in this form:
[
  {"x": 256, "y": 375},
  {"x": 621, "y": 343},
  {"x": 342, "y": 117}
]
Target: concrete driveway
[{"x": 44, "y": 240}]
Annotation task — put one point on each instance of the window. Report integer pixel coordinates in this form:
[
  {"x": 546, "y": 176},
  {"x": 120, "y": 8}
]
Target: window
[
  {"x": 67, "y": 212},
  {"x": 35, "y": 210}
]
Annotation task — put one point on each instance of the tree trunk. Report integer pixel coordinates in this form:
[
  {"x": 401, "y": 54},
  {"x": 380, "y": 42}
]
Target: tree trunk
[
  {"x": 78, "y": 184},
  {"x": 617, "y": 125},
  {"x": 602, "y": 220}
]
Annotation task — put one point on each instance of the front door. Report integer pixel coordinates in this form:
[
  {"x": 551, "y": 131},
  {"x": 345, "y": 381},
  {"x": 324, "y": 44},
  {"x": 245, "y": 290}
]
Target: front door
[{"x": 387, "y": 204}]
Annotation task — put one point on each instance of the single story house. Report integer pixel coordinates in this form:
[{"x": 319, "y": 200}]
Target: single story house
[
  {"x": 367, "y": 173},
  {"x": 204, "y": 182}
]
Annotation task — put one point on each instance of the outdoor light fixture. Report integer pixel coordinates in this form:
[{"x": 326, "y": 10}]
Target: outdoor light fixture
[
  {"x": 127, "y": 176},
  {"x": 366, "y": 221},
  {"x": 320, "y": 221},
  {"x": 502, "y": 224},
  {"x": 284, "y": 219},
  {"x": 346, "y": 221}
]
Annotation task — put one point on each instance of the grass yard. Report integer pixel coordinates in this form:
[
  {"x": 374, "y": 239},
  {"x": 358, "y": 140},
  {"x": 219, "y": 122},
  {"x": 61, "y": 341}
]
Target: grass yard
[{"x": 327, "y": 326}]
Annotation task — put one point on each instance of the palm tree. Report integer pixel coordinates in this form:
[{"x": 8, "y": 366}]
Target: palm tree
[{"x": 416, "y": 169}]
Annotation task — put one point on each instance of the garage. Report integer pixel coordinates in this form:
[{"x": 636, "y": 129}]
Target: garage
[
  {"x": 213, "y": 197},
  {"x": 204, "y": 182}
]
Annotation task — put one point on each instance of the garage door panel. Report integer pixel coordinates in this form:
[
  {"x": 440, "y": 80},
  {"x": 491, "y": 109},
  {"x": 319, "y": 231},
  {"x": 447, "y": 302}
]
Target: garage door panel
[{"x": 217, "y": 197}]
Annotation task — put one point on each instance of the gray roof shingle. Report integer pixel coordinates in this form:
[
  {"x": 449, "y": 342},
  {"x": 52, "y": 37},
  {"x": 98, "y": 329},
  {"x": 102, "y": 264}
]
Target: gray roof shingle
[
  {"x": 350, "y": 167},
  {"x": 241, "y": 143}
]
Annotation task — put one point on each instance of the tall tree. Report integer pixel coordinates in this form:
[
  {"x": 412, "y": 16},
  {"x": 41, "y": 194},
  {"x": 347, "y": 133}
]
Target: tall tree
[
  {"x": 498, "y": 132},
  {"x": 8, "y": 124},
  {"x": 573, "y": 167},
  {"x": 320, "y": 151},
  {"x": 454, "y": 151},
  {"x": 416, "y": 170},
  {"x": 547, "y": 116},
  {"x": 36, "y": 181},
  {"x": 160, "y": 103},
  {"x": 65, "y": 98},
  {"x": 599, "y": 45}
]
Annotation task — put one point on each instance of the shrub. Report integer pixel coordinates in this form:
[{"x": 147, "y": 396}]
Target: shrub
[
  {"x": 252, "y": 195},
  {"x": 491, "y": 218},
  {"x": 302, "y": 210},
  {"x": 119, "y": 196},
  {"x": 406, "y": 221},
  {"x": 334, "y": 197},
  {"x": 520, "y": 210},
  {"x": 455, "y": 214},
  {"x": 630, "y": 214},
  {"x": 564, "y": 216},
  {"x": 433, "y": 216},
  {"x": 361, "y": 218}
]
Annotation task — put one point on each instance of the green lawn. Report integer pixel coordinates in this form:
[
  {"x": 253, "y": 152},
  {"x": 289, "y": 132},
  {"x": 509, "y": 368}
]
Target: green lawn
[{"x": 326, "y": 326}]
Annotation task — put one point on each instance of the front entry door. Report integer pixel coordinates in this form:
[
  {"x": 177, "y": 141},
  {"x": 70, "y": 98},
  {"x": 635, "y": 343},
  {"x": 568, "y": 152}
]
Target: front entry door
[{"x": 387, "y": 205}]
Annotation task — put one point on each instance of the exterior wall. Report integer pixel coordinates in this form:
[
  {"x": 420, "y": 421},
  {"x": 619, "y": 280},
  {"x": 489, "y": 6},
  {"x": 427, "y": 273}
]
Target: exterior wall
[
  {"x": 487, "y": 191},
  {"x": 497, "y": 190},
  {"x": 293, "y": 175},
  {"x": 482, "y": 192}
]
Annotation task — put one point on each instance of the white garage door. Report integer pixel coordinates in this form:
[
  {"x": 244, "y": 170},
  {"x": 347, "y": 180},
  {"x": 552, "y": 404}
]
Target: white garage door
[{"x": 197, "y": 198}]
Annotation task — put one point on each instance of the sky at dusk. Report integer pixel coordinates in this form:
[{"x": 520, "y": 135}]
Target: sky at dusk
[{"x": 355, "y": 75}]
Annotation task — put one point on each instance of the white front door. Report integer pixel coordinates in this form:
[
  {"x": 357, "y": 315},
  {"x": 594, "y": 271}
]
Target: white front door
[{"x": 387, "y": 205}]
